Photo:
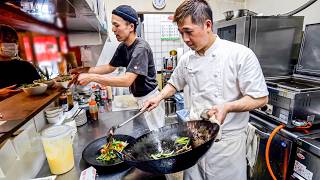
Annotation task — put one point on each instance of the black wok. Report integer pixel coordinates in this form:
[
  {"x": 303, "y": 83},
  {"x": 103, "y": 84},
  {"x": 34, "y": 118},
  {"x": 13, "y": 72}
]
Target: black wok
[
  {"x": 138, "y": 154},
  {"x": 92, "y": 151}
]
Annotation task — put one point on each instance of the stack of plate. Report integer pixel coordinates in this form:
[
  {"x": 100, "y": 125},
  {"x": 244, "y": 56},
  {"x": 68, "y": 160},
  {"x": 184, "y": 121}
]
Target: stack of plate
[
  {"x": 54, "y": 115},
  {"x": 81, "y": 118}
]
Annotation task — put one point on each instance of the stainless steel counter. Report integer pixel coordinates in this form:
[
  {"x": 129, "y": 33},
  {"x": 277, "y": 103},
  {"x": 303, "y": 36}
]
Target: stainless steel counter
[{"x": 93, "y": 130}]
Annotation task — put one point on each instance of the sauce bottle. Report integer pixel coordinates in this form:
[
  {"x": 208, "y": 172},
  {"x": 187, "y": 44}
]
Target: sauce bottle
[{"x": 93, "y": 109}]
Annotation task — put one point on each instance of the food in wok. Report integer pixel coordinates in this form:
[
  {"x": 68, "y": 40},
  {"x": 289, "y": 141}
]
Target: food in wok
[
  {"x": 108, "y": 150},
  {"x": 180, "y": 145},
  {"x": 92, "y": 151}
]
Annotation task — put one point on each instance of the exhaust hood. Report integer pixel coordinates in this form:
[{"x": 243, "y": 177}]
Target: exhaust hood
[{"x": 71, "y": 15}]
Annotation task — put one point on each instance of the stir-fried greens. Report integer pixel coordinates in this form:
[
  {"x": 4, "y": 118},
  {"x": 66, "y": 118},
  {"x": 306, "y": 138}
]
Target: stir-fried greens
[
  {"x": 107, "y": 150},
  {"x": 181, "y": 144},
  {"x": 29, "y": 85},
  {"x": 64, "y": 78}
]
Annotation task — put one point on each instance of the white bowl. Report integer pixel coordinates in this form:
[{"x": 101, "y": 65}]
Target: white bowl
[
  {"x": 49, "y": 82},
  {"x": 53, "y": 110},
  {"x": 54, "y": 120},
  {"x": 36, "y": 90},
  {"x": 63, "y": 84},
  {"x": 52, "y": 115}
]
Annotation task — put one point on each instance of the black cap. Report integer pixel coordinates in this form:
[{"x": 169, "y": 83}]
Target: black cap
[{"x": 127, "y": 13}]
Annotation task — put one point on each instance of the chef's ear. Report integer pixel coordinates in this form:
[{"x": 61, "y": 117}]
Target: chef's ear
[{"x": 208, "y": 25}]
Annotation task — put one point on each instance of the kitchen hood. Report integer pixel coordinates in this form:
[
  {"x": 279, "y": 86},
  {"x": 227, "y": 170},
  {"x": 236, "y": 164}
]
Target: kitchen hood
[{"x": 70, "y": 15}]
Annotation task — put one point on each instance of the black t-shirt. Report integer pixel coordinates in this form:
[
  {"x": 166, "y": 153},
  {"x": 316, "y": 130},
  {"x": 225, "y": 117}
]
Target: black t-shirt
[
  {"x": 16, "y": 72},
  {"x": 138, "y": 59}
]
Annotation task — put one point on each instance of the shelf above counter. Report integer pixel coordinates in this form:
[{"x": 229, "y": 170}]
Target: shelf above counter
[{"x": 20, "y": 108}]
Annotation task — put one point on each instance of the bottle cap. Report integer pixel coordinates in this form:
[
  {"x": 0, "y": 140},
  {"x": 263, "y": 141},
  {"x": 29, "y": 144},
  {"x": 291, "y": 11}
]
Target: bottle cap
[{"x": 92, "y": 103}]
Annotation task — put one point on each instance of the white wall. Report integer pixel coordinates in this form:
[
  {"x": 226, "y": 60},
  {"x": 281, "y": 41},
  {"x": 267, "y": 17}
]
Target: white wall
[
  {"x": 274, "y": 7},
  {"x": 145, "y": 6}
]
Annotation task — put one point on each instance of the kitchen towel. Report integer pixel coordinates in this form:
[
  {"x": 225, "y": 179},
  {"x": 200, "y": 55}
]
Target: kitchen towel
[{"x": 252, "y": 148}]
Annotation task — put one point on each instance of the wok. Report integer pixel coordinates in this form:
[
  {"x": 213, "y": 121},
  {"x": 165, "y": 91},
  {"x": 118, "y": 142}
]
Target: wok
[
  {"x": 138, "y": 154},
  {"x": 92, "y": 151}
]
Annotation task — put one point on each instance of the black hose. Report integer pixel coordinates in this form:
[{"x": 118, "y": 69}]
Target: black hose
[{"x": 291, "y": 13}]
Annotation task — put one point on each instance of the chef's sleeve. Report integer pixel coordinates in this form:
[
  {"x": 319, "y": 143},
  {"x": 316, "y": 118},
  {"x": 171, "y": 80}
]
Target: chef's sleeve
[
  {"x": 251, "y": 79},
  {"x": 178, "y": 77},
  {"x": 139, "y": 62}
]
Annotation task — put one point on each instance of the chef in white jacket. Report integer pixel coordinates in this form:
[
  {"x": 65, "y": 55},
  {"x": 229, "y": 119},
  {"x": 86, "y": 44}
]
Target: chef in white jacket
[{"x": 224, "y": 77}]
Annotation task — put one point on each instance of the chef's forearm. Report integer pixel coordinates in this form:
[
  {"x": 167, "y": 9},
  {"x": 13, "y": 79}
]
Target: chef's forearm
[
  {"x": 120, "y": 81},
  {"x": 166, "y": 92},
  {"x": 246, "y": 103},
  {"x": 103, "y": 69}
]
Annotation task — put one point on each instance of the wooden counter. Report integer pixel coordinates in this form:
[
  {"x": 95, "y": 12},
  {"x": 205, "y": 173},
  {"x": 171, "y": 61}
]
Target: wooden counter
[{"x": 20, "y": 108}]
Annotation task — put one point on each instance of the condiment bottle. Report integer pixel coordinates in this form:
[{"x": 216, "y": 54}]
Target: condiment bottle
[
  {"x": 70, "y": 99},
  {"x": 63, "y": 102},
  {"x": 109, "y": 92},
  {"x": 93, "y": 109},
  {"x": 103, "y": 93}
]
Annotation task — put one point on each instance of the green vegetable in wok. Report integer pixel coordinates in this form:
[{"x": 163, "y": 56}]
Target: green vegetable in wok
[{"x": 181, "y": 144}]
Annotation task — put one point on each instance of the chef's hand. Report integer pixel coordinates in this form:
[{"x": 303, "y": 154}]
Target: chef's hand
[
  {"x": 7, "y": 91},
  {"x": 219, "y": 111},
  {"x": 151, "y": 103},
  {"x": 74, "y": 80},
  {"x": 79, "y": 70},
  {"x": 85, "y": 78}
]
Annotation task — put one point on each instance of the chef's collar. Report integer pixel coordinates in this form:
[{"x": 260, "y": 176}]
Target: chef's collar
[{"x": 212, "y": 48}]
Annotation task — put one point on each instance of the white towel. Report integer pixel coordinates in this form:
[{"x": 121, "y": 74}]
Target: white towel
[{"x": 252, "y": 148}]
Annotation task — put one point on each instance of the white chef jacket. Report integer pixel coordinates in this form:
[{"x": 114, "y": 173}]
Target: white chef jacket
[{"x": 226, "y": 72}]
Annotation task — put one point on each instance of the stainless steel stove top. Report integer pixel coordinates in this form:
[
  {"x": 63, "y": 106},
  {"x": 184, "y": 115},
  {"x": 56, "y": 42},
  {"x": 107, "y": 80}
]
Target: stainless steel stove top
[{"x": 294, "y": 84}]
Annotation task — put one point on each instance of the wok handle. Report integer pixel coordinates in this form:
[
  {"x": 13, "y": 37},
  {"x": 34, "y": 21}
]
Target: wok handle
[{"x": 215, "y": 121}]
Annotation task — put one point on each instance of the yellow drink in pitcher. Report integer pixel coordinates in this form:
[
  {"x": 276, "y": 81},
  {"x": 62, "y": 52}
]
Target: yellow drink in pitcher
[{"x": 57, "y": 144}]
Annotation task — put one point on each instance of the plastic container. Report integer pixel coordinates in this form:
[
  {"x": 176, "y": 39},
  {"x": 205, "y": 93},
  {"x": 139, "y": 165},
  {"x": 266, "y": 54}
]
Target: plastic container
[
  {"x": 183, "y": 115},
  {"x": 179, "y": 101},
  {"x": 57, "y": 144}
]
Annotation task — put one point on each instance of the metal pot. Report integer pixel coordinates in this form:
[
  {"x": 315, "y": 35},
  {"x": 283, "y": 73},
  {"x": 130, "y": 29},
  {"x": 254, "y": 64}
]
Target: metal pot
[
  {"x": 244, "y": 12},
  {"x": 238, "y": 13},
  {"x": 228, "y": 15},
  {"x": 170, "y": 106}
]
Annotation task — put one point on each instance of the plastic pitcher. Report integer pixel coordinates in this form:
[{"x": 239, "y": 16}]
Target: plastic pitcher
[{"x": 57, "y": 144}]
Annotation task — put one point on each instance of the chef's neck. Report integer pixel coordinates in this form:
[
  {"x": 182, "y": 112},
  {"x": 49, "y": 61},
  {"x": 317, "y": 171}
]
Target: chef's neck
[
  {"x": 211, "y": 40},
  {"x": 132, "y": 37}
]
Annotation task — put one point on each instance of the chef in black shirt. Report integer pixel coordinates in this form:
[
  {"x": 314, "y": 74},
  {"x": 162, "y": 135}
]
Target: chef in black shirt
[
  {"x": 13, "y": 70},
  {"x": 136, "y": 55}
]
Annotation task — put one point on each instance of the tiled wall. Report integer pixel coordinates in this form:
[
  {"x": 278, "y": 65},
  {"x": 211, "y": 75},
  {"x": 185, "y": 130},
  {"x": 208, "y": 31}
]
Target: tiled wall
[{"x": 152, "y": 34}]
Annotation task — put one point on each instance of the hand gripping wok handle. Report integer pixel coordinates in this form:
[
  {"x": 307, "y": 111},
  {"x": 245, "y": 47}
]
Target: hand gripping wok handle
[{"x": 214, "y": 120}]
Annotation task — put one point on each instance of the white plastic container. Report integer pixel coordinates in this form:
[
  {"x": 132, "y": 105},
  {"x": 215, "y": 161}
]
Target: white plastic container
[
  {"x": 8, "y": 157},
  {"x": 57, "y": 144}
]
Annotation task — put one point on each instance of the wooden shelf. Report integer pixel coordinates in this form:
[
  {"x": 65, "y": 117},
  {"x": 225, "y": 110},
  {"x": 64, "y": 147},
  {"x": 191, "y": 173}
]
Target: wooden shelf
[
  {"x": 20, "y": 108},
  {"x": 21, "y": 20}
]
